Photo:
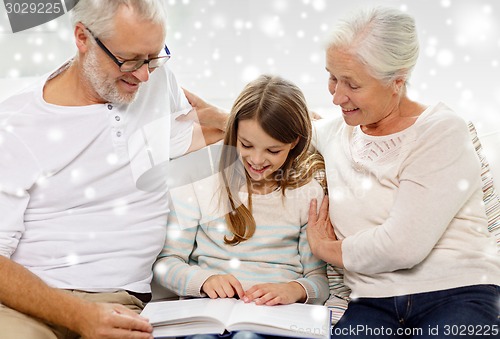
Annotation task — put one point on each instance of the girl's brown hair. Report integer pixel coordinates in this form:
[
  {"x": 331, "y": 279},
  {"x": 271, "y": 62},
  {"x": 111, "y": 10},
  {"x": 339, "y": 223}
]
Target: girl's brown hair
[{"x": 280, "y": 109}]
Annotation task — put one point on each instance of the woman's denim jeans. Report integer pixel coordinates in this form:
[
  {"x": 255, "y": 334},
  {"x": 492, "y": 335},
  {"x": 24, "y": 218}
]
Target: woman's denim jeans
[{"x": 464, "y": 312}]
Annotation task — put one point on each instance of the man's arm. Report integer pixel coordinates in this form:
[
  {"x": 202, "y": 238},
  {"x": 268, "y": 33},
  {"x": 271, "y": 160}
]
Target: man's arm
[
  {"x": 25, "y": 292},
  {"x": 203, "y": 136}
]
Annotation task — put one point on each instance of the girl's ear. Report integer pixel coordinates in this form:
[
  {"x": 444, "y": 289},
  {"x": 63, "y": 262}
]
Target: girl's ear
[{"x": 295, "y": 142}]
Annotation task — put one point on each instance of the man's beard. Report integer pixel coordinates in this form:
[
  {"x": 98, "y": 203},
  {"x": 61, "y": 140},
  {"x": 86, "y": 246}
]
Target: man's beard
[{"x": 106, "y": 88}]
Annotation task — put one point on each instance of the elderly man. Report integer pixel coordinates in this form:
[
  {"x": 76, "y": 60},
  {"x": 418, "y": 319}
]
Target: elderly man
[{"x": 78, "y": 235}]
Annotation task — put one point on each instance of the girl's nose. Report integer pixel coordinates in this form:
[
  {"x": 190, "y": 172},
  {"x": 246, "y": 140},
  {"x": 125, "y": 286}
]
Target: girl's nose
[{"x": 257, "y": 158}]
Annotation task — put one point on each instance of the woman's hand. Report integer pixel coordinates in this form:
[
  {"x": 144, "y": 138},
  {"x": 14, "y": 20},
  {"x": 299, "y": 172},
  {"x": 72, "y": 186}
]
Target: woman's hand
[
  {"x": 223, "y": 286},
  {"x": 321, "y": 236},
  {"x": 319, "y": 225},
  {"x": 276, "y": 294}
]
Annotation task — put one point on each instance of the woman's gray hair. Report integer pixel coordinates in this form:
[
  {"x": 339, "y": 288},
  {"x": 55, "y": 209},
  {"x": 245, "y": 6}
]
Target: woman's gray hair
[
  {"x": 383, "y": 39},
  {"x": 98, "y": 15}
]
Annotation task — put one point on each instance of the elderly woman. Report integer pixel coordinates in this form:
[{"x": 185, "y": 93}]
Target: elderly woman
[{"x": 405, "y": 197}]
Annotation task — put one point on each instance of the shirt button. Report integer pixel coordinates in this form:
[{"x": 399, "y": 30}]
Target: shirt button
[
  {"x": 117, "y": 118},
  {"x": 110, "y": 107},
  {"x": 118, "y": 134}
]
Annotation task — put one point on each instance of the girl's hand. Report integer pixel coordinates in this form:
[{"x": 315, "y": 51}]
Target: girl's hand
[
  {"x": 222, "y": 286},
  {"x": 276, "y": 294}
]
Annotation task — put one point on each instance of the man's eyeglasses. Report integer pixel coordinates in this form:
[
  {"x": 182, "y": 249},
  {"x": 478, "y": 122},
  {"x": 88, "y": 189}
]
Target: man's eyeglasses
[{"x": 133, "y": 65}]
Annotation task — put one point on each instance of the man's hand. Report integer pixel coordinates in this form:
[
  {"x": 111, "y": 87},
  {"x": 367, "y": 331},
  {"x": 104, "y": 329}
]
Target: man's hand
[
  {"x": 276, "y": 294},
  {"x": 315, "y": 116},
  {"x": 205, "y": 114},
  {"x": 113, "y": 321},
  {"x": 223, "y": 286}
]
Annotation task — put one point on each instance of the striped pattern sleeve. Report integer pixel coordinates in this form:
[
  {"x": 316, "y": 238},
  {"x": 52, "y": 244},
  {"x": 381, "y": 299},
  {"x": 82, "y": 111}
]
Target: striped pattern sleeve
[
  {"x": 172, "y": 269},
  {"x": 314, "y": 278},
  {"x": 339, "y": 293}
]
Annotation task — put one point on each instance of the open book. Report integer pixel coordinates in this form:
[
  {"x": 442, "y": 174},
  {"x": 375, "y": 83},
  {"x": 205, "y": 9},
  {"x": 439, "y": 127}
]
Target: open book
[{"x": 204, "y": 315}]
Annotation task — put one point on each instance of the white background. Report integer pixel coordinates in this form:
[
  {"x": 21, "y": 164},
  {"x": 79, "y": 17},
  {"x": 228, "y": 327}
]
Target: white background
[{"x": 219, "y": 45}]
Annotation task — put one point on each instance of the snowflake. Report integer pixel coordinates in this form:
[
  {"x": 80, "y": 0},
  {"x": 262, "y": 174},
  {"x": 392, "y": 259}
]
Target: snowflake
[
  {"x": 120, "y": 207},
  {"x": 72, "y": 259},
  {"x": 446, "y": 3},
  {"x": 250, "y": 72},
  {"x": 37, "y": 58},
  {"x": 318, "y": 312},
  {"x": 174, "y": 233},
  {"x": 463, "y": 185},
  {"x": 234, "y": 263},
  {"x": 55, "y": 134},
  {"x": 445, "y": 57},
  {"x": 160, "y": 269},
  {"x": 90, "y": 193},
  {"x": 319, "y": 5},
  {"x": 271, "y": 26},
  {"x": 112, "y": 158}
]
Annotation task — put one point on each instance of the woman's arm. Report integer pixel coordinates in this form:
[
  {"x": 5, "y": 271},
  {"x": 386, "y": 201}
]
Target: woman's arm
[{"x": 438, "y": 178}]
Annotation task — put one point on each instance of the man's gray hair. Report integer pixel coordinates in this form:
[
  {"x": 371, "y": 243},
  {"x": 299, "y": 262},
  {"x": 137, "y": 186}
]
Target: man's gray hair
[
  {"x": 98, "y": 15},
  {"x": 384, "y": 39}
]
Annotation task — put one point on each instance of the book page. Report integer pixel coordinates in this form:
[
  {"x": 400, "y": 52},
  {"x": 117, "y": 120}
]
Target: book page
[
  {"x": 294, "y": 320},
  {"x": 201, "y": 315},
  {"x": 204, "y": 315},
  {"x": 187, "y": 328}
]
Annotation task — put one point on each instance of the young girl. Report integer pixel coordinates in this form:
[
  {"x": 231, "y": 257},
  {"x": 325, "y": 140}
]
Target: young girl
[{"x": 245, "y": 237}]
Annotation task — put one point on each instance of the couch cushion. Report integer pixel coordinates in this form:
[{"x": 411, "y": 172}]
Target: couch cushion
[{"x": 490, "y": 196}]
